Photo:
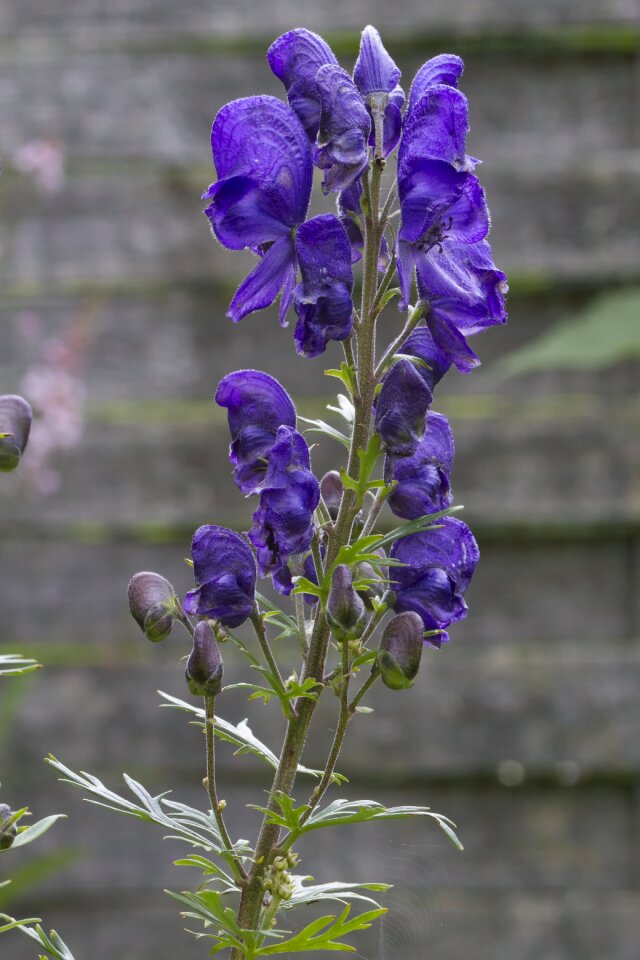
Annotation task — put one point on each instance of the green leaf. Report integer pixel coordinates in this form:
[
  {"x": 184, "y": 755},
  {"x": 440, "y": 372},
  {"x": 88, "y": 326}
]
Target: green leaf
[
  {"x": 13, "y": 665},
  {"x": 29, "y": 834},
  {"x": 52, "y": 943},
  {"x": 240, "y": 735},
  {"x": 325, "y": 933},
  {"x": 347, "y": 375},
  {"x": 368, "y": 461},
  {"x": 361, "y": 811},
  {"x": 319, "y": 426},
  {"x": 345, "y": 408},
  {"x": 415, "y": 526},
  {"x": 604, "y": 333},
  {"x": 303, "y": 892}
]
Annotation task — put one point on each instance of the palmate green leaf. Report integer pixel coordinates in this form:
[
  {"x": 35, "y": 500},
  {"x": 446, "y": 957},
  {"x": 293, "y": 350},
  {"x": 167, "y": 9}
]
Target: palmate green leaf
[
  {"x": 181, "y": 822},
  {"x": 325, "y": 933},
  {"x": 14, "y": 665},
  {"x": 362, "y": 811},
  {"x": 304, "y": 892},
  {"x": 368, "y": 461},
  {"x": 33, "y": 831},
  {"x": 207, "y": 907},
  {"x": 239, "y": 734},
  {"x": 347, "y": 375},
  {"x": 271, "y": 613}
]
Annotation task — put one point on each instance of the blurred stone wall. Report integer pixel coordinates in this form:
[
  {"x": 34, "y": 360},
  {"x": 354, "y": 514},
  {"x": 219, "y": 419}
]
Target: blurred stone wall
[{"x": 526, "y": 730}]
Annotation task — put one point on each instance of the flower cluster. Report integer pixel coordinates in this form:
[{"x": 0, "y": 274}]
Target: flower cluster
[{"x": 318, "y": 539}]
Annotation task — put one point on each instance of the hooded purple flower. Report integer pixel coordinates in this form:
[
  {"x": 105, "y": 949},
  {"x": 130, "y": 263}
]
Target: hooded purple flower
[
  {"x": 401, "y": 408},
  {"x": 376, "y": 77},
  {"x": 341, "y": 148},
  {"x": 283, "y": 523},
  {"x": 439, "y": 565},
  {"x": 445, "y": 69},
  {"x": 323, "y": 299},
  {"x": 424, "y": 479},
  {"x": 295, "y": 58},
  {"x": 257, "y": 406},
  {"x": 261, "y": 154},
  {"x": 225, "y": 574}
]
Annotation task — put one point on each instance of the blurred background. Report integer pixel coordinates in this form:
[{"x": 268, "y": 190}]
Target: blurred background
[{"x": 526, "y": 730}]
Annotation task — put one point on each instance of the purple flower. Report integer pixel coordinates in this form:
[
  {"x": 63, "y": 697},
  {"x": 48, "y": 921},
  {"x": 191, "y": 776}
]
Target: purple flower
[
  {"x": 341, "y": 148},
  {"x": 439, "y": 565},
  {"x": 283, "y": 523},
  {"x": 323, "y": 299},
  {"x": 225, "y": 574},
  {"x": 257, "y": 406},
  {"x": 261, "y": 154},
  {"x": 376, "y": 77},
  {"x": 295, "y": 58},
  {"x": 15, "y": 425},
  {"x": 424, "y": 479},
  {"x": 401, "y": 408},
  {"x": 350, "y": 213}
]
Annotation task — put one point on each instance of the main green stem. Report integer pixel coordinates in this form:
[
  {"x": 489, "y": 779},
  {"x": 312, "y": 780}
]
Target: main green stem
[{"x": 298, "y": 726}]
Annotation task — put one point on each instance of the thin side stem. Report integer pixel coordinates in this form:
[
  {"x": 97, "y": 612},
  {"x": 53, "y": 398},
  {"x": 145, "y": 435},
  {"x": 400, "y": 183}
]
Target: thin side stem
[
  {"x": 366, "y": 686},
  {"x": 409, "y": 327},
  {"x": 258, "y": 626},
  {"x": 236, "y": 865}
]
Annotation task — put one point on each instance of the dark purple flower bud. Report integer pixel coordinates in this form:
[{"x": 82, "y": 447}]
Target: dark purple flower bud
[
  {"x": 257, "y": 406},
  {"x": 445, "y": 69},
  {"x": 262, "y": 158},
  {"x": 341, "y": 149},
  {"x": 152, "y": 602},
  {"x": 438, "y": 566},
  {"x": 204, "y": 666},
  {"x": 323, "y": 299},
  {"x": 283, "y": 524},
  {"x": 346, "y": 613},
  {"x": 8, "y": 830},
  {"x": 401, "y": 651},
  {"x": 15, "y": 422},
  {"x": 225, "y": 574},
  {"x": 401, "y": 408},
  {"x": 423, "y": 480},
  {"x": 377, "y": 78},
  {"x": 351, "y": 218},
  {"x": 295, "y": 58},
  {"x": 331, "y": 492}
]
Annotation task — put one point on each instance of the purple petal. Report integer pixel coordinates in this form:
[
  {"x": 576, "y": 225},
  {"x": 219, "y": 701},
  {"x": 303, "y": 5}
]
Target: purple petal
[
  {"x": 462, "y": 281},
  {"x": 265, "y": 281},
  {"x": 452, "y": 343},
  {"x": 375, "y": 71},
  {"x": 295, "y": 58},
  {"x": 257, "y": 406},
  {"x": 422, "y": 345},
  {"x": 438, "y": 201},
  {"x": 323, "y": 299},
  {"x": 341, "y": 149},
  {"x": 436, "y": 128},
  {"x": 240, "y": 215},
  {"x": 405, "y": 261},
  {"x": 261, "y": 139},
  {"x": 445, "y": 69},
  {"x": 424, "y": 479},
  {"x": 401, "y": 408}
]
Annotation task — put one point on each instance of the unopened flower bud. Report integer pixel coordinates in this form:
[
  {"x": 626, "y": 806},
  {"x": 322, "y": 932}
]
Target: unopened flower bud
[
  {"x": 15, "y": 422},
  {"x": 152, "y": 602},
  {"x": 345, "y": 609},
  {"x": 400, "y": 651},
  {"x": 204, "y": 666},
  {"x": 331, "y": 492},
  {"x": 8, "y": 830}
]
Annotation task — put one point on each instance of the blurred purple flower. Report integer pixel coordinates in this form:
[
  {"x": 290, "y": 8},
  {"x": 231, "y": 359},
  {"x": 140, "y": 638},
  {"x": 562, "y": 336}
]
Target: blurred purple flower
[
  {"x": 439, "y": 565},
  {"x": 257, "y": 406},
  {"x": 423, "y": 479},
  {"x": 225, "y": 574}
]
